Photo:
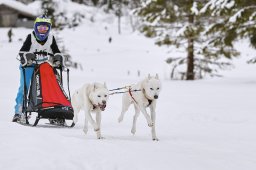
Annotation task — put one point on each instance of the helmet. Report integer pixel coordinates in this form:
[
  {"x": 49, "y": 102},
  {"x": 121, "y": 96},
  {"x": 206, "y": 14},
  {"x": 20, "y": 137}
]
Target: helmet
[{"x": 42, "y": 27}]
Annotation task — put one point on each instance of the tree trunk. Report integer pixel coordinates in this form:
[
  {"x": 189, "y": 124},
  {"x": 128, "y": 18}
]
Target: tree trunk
[
  {"x": 190, "y": 50},
  {"x": 110, "y": 4},
  {"x": 119, "y": 15},
  {"x": 119, "y": 24}
]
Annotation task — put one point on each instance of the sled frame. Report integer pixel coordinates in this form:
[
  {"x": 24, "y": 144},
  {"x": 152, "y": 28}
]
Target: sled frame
[{"x": 27, "y": 91}]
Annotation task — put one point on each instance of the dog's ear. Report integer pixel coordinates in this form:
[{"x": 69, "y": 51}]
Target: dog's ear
[
  {"x": 105, "y": 85},
  {"x": 157, "y": 77},
  {"x": 149, "y": 77},
  {"x": 94, "y": 87}
]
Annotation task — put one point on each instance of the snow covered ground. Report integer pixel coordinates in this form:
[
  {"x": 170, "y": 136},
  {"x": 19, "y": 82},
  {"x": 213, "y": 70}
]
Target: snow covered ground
[{"x": 202, "y": 125}]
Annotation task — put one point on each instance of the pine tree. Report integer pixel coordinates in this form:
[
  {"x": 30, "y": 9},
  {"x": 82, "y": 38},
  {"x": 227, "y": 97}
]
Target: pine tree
[
  {"x": 48, "y": 7},
  {"x": 179, "y": 23},
  {"x": 59, "y": 18},
  {"x": 239, "y": 19}
]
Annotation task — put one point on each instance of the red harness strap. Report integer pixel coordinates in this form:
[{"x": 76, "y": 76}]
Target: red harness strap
[{"x": 130, "y": 93}]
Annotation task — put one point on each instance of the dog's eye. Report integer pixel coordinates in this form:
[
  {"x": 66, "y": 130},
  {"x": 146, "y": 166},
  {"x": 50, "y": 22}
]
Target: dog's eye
[
  {"x": 98, "y": 95},
  {"x": 151, "y": 89},
  {"x": 157, "y": 88},
  {"x": 106, "y": 95}
]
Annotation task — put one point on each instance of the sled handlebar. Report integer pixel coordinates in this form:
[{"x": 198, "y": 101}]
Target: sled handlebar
[{"x": 28, "y": 58}]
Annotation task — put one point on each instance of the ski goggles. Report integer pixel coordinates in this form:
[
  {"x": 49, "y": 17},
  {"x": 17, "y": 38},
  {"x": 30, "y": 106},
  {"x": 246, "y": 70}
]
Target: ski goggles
[{"x": 42, "y": 29}]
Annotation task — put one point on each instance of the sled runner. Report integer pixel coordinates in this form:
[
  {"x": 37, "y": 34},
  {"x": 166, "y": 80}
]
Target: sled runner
[{"x": 46, "y": 95}]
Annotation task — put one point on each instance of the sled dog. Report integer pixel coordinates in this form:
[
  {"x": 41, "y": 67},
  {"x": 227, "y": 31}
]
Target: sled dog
[
  {"x": 142, "y": 95},
  {"x": 90, "y": 98}
]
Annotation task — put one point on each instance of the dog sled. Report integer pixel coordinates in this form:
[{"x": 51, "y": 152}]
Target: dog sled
[{"x": 45, "y": 95}]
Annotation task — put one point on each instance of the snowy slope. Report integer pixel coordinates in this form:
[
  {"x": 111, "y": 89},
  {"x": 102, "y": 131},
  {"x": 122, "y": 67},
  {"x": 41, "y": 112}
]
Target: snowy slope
[{"x": 202, "y": 125}]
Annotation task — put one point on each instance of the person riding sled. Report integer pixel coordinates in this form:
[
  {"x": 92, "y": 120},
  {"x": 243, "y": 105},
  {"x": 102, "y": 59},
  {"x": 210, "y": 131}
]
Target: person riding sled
[{"x": 40, "y": 42}]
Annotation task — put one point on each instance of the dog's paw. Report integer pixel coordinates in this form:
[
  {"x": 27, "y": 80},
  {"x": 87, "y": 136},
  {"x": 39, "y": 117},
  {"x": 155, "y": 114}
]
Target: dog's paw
[
  {"x": 155, "y": 139},
  {"x": 100, "y": 137},
  {"x": 120, "y": 119},
  {"x": 133, "y": 131}
]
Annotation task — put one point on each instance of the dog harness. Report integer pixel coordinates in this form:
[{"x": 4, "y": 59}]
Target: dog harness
[
  {"x": 149, "y": 101},
  {"x": 130, "y": 93}
]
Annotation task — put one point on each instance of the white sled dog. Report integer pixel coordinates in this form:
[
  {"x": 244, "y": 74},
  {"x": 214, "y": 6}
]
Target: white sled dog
[
  {"x": 90, "y": 98},
  {"x": 142, "y": 95}
]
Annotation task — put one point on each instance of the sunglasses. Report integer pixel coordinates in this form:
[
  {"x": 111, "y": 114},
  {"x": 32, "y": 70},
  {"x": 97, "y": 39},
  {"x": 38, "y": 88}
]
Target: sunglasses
[{"x": 42, "y": 29}]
